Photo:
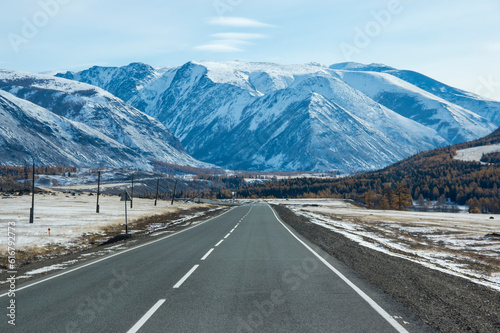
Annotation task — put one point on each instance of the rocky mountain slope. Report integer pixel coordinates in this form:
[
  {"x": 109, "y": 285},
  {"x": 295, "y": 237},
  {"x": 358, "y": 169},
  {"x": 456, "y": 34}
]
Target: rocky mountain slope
[
  {"x": 265, "y": 116},
  {"x": 59, "y": 121}
]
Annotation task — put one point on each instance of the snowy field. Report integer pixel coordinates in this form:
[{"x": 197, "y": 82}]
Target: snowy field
[
  {"x": 451, "y": 242},
  {"x": 69, "y": 217},
  {"x": 475, "y": 153}
]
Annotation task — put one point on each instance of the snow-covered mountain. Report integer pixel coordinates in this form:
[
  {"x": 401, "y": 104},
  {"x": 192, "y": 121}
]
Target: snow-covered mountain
[
  {"x": 81, "y": 124},
  {"x": 484, "y": 107},
  {"x": 123, "y": 82},
  {"x": 265, "y": 116},
  {"x": 456, "y": 115},
  {"x": 30, "y": 132}
]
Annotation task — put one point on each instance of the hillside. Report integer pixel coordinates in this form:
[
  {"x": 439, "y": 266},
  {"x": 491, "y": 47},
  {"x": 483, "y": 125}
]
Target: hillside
[
  {"x": 429, "y": 175},
  {"x": 273, "y": 117},
  {"x": 56, "y": 121}
]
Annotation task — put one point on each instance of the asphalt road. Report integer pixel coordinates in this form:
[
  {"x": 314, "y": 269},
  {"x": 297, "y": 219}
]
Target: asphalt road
[{"x": 242, "y": 271}]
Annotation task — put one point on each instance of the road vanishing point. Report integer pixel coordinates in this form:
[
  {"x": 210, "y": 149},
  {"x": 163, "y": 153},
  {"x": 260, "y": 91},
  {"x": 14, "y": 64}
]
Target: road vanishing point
[{"x": 242, "y": 271}]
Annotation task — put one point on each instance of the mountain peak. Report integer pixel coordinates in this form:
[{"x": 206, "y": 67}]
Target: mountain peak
[
  {"x": 258, "y": 115},
  {"x": 74, "y": 118},
  {"x": 355, "y": 66}
]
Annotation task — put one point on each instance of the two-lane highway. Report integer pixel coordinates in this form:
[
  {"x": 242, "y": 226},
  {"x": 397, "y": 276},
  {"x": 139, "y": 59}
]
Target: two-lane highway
[{"x": 242, "y": 271}]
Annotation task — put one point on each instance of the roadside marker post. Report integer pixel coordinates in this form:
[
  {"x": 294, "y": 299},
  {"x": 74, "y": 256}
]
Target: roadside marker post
[
  {"x": 132, "y": 192},
  {"x": 98, "y": 190},
  {"x": 32, "y": 210}
]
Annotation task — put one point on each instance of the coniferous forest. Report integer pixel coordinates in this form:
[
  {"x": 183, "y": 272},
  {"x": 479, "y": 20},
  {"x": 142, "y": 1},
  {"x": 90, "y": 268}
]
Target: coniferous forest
[{"x": 432, "y": 175}]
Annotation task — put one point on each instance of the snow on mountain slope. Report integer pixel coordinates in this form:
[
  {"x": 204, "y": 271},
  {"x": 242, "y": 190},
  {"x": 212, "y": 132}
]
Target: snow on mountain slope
[
  {"x": 484, "y": 107},
  {"x": 379, "y": 117},
  {"x": 487, "y": 108},
  {"x": 221, "y": 97},
  {"x": 355, "y": 66},
  {"x": 245, "y": 115},
  {"x": 310, "y": 133},
  {"x": 124, "y": 82},
  {"x": 474, "y": 154},
  {"x": 30, "y": 132},
  {"x": 451, "y": 121},
  {"x": 194, "y": 107},
  {"x": 101, "y": 111},
  {"x": 296, "y": 129}
]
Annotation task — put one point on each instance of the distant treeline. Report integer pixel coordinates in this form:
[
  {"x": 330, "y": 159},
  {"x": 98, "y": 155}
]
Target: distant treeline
[
  {"x": 18, "y": 172},
  {"x": 431, "y": 175},
  {"x": 491, "y": 158}
]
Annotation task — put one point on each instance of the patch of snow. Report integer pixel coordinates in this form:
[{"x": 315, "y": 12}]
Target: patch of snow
[
  {"x": 474, "y": 154},
  {"x": 447, "y": 241},
  {"x": 45, "y": 269},
  {"x": 70, "y": 217}
]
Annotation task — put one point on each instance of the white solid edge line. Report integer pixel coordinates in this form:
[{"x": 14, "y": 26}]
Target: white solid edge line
[
  {"x": 207, "y": 254},
  {"x": 185, "y": 277},
  {"x": 145, "y": 318},
  {"x": 367, "y": 298},
  {"x": 116, "y": 254},
  {"x": 219, "y": 242}
]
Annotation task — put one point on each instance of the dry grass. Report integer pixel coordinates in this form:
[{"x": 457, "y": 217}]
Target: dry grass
[{"x": 91, "y": 240}]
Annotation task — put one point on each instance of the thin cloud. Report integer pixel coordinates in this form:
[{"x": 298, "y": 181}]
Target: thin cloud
[
  {"x": 238, "y": 22},
  {"x": 218, "y": 47},
  {"x": 495, "y": 47},
  {"x": 232, "y": 41},
  {"x": 224, "y": 45},
  {"x": 238, "y": 36}
]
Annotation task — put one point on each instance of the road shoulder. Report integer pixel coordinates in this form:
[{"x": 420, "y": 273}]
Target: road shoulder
[{"x": 445, "y": 302}]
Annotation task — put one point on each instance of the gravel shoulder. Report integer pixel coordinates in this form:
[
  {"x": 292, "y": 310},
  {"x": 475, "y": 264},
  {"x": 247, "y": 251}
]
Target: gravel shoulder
[{"x": 444, "y": 302}]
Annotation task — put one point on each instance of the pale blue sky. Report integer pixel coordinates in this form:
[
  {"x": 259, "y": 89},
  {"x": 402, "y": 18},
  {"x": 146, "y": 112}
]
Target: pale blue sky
[{"x": 455, "y": 41}]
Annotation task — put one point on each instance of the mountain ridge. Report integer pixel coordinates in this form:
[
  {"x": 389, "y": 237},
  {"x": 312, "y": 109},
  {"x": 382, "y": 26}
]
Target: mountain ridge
[
  {"x": 205, "y": 104},
  {"x": 438, "y": 174},
  {"x": 140, "y": 137}
]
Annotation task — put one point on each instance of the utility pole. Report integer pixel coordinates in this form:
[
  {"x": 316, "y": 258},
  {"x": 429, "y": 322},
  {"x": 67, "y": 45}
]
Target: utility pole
[
  {"x": 157, "y": 183},
  {"x": 132, "y": 193},
  {"x": 25, "y": 177},
  {"x": 202, "y": 193},
  {"x": 173, "y": 192},
  {"x": 125, "y": 197},
  {"x": 126, "y": 224},
  {"x": 32, "y": 210},
  {"x": 98, "y": 190}
]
